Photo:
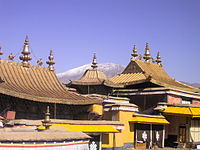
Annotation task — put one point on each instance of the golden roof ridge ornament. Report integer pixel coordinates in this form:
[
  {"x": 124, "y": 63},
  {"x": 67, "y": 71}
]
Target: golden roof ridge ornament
[
  {"x": 47, "y": 122},
  {"x": 147, "y": 55},
  {"x": 134, "y": 54},
  {"x": 94, "y": 62},
  {"x": 140, "y": 57},
  {"x": 39, "y": 62},
  {"x": 158, "y": 60},
  {"x": 51, "y": 62},
  {"x": 1, "y": 52},
  {"x": 25, "y": 57},
  {"x": 11, "y": 57}
]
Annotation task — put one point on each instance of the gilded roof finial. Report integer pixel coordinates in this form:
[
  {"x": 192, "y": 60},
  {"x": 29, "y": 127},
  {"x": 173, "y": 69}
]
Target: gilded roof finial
[
  {"x": 140, "y": 57},
  {"x": 39, "y": 62},
  {"x": 158, "y": 60},
  {"x": 47, "y": 122},
  {"x": 51, "y": 62},
  {"x": 134, "y": 54},
  {"x": 1, "y": 52},
  {"x": 94, "y": 62},
  {"x": 25, "y": 57},
  {"x": 147, "y": 55},
  {"x": 11, "y": 57}
]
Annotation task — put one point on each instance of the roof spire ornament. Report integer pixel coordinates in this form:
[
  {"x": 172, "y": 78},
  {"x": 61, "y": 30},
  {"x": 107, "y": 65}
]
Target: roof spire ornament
[
  {"x": 1, "y": 52},
  {"x": 94, "y": 62},
  {"x": 47, "y": 122},
  {"x": 39, "y": 62},
  {"x": 134, "y": 54},
  {"x": 158, "y": 60},
  {"x": 11, "y": 57},
  {"x": 51, "y": 62},
  {"x": 147, "y": 55},
  {"x": 25, "y": 57}
]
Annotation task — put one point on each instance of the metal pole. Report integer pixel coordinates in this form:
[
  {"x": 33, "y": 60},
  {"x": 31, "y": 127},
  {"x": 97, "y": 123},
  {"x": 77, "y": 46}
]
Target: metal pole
[
  {"x": 100, "y": 142},
  {"x": 150, "y": 144},
  {"x": 163, "y": 140},
  {"x": 135, "y": 128}
]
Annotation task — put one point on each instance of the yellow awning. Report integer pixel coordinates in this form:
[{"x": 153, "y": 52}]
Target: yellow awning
[
  {"x": 195, "y": 111},
  {"x": 89, "y": 128},
  {"x": 148, "y": 120},
  {"x": 188, "y": 111}
]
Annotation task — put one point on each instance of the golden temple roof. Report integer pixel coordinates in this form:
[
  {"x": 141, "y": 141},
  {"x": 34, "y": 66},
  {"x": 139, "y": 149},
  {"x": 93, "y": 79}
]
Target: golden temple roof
[
  {"x": 91, "y": 77},
  {"x": 37, "y": 83},
  {"x": 94, "y": 76},
  {"x": 128, "y": 78},
  {"x": 139, "y": 71}
]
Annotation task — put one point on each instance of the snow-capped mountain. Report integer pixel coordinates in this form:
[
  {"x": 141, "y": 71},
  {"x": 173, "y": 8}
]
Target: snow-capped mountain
[{"x": 109, "y": 69}]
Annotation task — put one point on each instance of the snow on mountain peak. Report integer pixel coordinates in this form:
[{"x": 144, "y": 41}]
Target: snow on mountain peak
[{"x": 109, "y": 69}]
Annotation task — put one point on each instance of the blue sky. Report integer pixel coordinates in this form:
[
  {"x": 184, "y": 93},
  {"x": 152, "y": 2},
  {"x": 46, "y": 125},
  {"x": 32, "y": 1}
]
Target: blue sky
[{"x": 75, "y": 29}]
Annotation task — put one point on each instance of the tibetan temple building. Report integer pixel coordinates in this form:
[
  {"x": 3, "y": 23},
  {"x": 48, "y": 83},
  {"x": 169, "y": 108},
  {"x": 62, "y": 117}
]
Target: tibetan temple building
[
  {"x": 166, "y": 112},
  {"x": 93, "y": 81},
  {"x": 27, "y": 89},
  {"x": 149, "y": 87},
  {"x": 143, "y": 107}
]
